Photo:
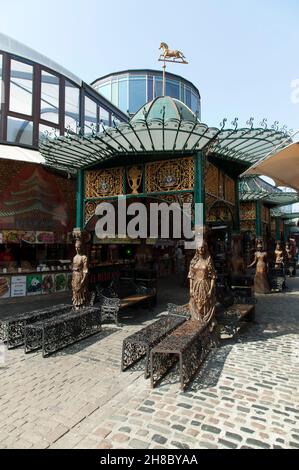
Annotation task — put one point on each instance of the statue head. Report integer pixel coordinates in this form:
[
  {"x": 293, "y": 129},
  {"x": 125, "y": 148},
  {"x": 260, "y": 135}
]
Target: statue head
[
  {"x": 278, "y": 245},
  {"x": 78, "y": 246},
  {"x": 202, "y": 249},
  {"x": 259, "y": 245}
]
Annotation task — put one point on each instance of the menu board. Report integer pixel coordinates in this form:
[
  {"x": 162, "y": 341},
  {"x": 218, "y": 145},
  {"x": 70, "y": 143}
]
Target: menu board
[
  {"x": 4, "y": 287},
  {"x": 34, "y": 284},
  {"x": 18, "y": 286}
]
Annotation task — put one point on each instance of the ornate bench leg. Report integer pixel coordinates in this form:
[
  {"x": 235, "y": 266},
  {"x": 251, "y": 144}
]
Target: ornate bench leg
[
  {"x": 131, "y": 353},
  {"x": 161, "y": 363}
]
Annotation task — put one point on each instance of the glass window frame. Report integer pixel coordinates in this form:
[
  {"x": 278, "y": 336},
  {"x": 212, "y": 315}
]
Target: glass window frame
[{"x": 20, "y": 60}]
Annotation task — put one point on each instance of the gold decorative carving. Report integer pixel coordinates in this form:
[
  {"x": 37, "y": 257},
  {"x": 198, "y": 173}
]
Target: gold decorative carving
[
  {"x": 248, "y": 225},
  {"x": 134, "y": 176},
  {"x": 211, "y": 180},
  {"x": 169, "y": 175},
  {"x": 101, "y": 183},
  {"x": 247, "y": 210},
  {"x": 90, "y": 208}
]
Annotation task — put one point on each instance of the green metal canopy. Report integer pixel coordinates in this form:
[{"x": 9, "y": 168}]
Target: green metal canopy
[
  {"x": 163, "y": 125},
  {"x": 254, "y": 188}
]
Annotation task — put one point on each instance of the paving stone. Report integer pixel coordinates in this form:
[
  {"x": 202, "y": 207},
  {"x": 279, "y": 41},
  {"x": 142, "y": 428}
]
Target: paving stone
[
  {"x": 225, "y": 443},
  {"x": 138, "y": 444},
  {"x": 212, "y": 429},
  {"x": 257, "y": 443},
  {"x": 234, "y": 436},
  {"x": 179, "y": 445},
  {"x": 178, "y": 427},
  {"x": 160, "y": 439}
]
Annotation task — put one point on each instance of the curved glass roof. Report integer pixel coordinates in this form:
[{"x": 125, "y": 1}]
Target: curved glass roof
[
  {"x": 254, "y": 188},
  {"x": 165, "y": 108},
  {"x": 7, "y": 44},
  {"x": 163, "y": 125}
]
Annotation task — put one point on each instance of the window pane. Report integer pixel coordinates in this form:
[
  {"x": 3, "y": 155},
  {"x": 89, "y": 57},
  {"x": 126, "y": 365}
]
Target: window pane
[
  {"x": 19, "y": 131},
  {"x": 188, "y": 97},
  {"x": 172, "y": 89},
  {"x": 105, "y": 90},
  {"x": 46, "y": 131},
  {"x": 21, "y": 76},
  {"x": 72, "y": 99},
  {"x": 50, "y": 98},
  {"x": 158, "y": 87},
  {"x": 104, "y": 118},
  {"x": 194, "y": 103},
  {"x": 115, "y": 92},
  {"x": 90, "y": 121},
  {"x": 149, "y": 88},
  {"x": 123, "y": 95},
  {"x": 137, "y": 93}
]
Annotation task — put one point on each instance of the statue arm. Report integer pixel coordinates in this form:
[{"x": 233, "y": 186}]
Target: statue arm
[
  {"x": 85, "y": 270},
  {"x": 253, "y": 263}
]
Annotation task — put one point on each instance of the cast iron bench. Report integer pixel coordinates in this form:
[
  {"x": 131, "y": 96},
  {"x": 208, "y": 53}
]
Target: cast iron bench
[
  {"x": 233, "y": 319},
  {"x": 121, "y": 295},
  {"x": 140, "y": 343},
  {"x": 12, "y": 329},
  {"x": 56, "y": 333},
  {"x": 277, "y": 279},
  {"x": 190, "y": 343}
]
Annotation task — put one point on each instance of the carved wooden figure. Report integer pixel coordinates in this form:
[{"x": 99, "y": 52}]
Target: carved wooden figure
[
  {"x": 79, "y": 278},
  {"x": 261, "y": 284},
  {"x": 202, "y": 277}
]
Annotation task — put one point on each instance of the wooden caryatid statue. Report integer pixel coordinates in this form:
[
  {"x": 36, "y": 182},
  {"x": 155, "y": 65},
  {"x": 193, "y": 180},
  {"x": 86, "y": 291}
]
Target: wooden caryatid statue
[
  {"x": 80, "y": 275},
  {"x": 261, "y": 284},
  {"x": 279, "y": 255},
  {"x": 202, "y": 277}
]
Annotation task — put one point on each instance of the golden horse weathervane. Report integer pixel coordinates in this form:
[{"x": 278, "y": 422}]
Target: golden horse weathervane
[{"x": 171, "y": 55}]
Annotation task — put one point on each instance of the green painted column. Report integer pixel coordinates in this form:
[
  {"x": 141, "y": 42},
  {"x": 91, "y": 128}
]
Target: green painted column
[
  {"x": 199, "y": 189},
  {"x": 237, "y": 208},
  {"x": 277, "y": 228},
  {"x": 79, "y": 199},
  {"x": 258, "y": 223}
]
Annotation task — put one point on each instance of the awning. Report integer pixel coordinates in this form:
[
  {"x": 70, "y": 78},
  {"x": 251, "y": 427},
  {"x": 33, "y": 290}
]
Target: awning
[
  {"x": 12, "y": 152},
  {"x": 282, "y": 167}
]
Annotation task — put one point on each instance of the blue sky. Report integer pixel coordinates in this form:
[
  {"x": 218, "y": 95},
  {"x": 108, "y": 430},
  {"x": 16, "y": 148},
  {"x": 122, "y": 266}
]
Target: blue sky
[{"x": 242, "y": 55}]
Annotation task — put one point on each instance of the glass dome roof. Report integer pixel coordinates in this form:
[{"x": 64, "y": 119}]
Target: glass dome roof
[{"x": 167, "y": 107}]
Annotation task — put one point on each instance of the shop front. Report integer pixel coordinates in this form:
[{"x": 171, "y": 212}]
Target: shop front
[{"x": 37, "y": 209}]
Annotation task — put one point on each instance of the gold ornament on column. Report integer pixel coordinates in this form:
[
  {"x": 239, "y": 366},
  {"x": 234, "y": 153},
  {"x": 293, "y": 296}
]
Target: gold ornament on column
[{"x": 134, "y": 175}]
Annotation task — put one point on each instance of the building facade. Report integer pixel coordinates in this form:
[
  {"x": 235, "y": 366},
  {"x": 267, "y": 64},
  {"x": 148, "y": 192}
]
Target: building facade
[
  {"x": 37, "y": 204},
  {"x": 131, "y": 89}
]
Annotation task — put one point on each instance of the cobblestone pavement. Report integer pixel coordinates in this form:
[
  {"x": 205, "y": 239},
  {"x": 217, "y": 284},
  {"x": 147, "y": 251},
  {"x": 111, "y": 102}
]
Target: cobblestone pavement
[{"x": 246, "y": 395}]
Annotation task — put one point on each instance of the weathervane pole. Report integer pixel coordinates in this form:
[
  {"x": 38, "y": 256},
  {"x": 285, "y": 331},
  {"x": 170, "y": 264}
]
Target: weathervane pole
[
  {"x": 169, "y": 56},
  {"x": 164, "y": 79}
]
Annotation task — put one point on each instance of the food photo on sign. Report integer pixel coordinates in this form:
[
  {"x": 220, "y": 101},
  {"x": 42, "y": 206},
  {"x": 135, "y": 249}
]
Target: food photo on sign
[
  {"x": 4, "y": 287},
  {"x": 48, "y": 285}
]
